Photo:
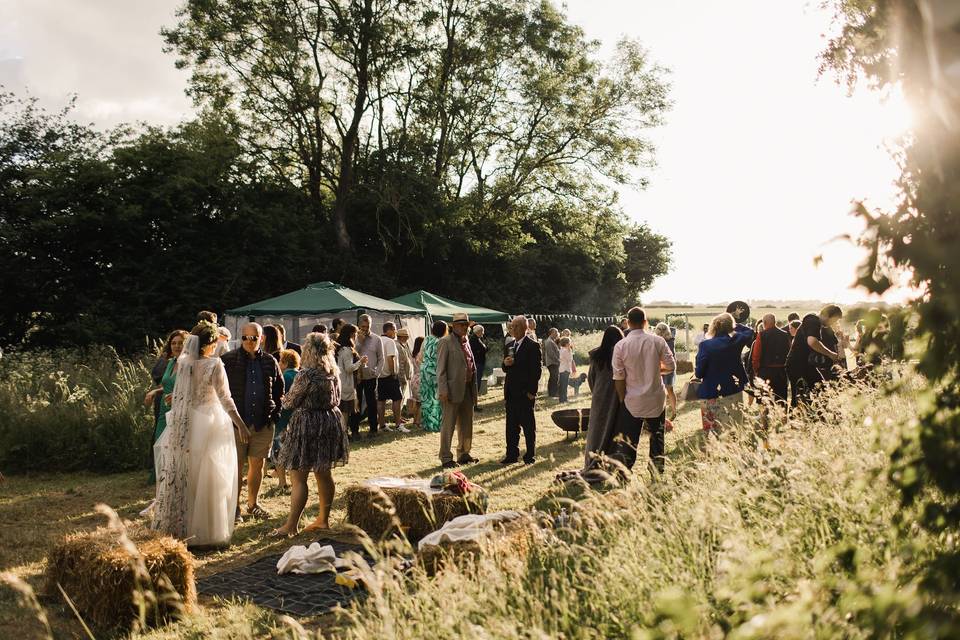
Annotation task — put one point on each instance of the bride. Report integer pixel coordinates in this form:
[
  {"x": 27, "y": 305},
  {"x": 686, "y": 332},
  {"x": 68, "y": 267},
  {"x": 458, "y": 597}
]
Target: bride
[{"x": 196, "y": 456}]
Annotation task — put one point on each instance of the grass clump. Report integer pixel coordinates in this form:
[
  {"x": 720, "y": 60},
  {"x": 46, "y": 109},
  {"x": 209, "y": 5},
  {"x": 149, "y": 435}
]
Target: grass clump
[{"x": 73, "y": 410}]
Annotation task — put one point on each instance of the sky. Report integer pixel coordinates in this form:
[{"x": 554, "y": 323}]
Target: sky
[{"x": 758, "y": 162}]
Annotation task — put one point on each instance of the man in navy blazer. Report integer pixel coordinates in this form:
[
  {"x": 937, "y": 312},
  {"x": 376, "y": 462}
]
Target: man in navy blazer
[{"x": 522, "y": 365}]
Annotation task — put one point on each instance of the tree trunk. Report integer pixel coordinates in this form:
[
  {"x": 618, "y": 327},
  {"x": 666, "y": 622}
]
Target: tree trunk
[
  {"x": 351, "y": 136},
  {"x": 440, "y": 161}
]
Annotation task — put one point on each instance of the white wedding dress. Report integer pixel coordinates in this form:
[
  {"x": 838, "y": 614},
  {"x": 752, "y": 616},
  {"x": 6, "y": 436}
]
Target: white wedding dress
[{"x": 196, "y": 456}]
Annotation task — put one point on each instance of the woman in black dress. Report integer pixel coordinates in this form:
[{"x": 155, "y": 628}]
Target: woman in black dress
[{"x": 604, "y": 403}]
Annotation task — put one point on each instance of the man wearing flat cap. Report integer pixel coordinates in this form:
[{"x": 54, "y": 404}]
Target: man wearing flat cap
[{"x": 457, "y": 390}]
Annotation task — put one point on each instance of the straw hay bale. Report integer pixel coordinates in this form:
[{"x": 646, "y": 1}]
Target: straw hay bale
[
  {"x": 383, "y": 511},
  {"x": 100, "y": 576},
  {"x": 509, "y": 539}
]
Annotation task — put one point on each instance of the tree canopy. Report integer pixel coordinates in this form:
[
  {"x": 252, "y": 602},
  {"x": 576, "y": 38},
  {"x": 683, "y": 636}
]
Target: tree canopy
[
  {"x": 913, "y": 44},
  {"x": 459, "y": 145}
]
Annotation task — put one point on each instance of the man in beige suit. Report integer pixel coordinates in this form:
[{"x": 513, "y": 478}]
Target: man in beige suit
[{"x": 457, "y": 390}]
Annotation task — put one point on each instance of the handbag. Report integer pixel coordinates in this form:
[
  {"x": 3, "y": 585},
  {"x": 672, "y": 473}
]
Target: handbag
[{"x": 690, "y": 390}]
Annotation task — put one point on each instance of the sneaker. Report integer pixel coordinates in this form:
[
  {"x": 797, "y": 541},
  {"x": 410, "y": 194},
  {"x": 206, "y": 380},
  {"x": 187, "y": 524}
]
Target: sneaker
[
  {"x": 403, "y": 429},
  {"x": 449, "y": 464},
  {"x": 509, "y": 460},
  {"x": 468, "y": 459},
  {"x": 387, "y": 427},
  {"x": 237, "y": 518}
]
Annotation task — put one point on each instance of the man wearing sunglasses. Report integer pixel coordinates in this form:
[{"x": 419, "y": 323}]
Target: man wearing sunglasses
[{"x": 256, "y": 386}]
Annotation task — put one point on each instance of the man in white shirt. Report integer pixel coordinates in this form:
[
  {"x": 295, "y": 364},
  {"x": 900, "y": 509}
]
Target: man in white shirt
[
  {"x": 700, "y": 337},
  {"x": 531, "y": 328},
  {"x": 638, "y": 362},
  {"x": 369, "y": 344},
  {"x": 388, "y": 383}
]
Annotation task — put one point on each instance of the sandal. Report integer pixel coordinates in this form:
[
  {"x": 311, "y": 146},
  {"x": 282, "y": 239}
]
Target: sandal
[
  {"x": 276, "y": 533},
  {"x": 256, "y": 511}
]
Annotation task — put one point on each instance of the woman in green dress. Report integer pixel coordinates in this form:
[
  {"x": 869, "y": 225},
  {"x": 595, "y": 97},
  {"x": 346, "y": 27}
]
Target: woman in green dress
[
  {"x": 290, "y": 367},
  {"x": 431, "y": 413},
  {"x": 160, "y": 396}
]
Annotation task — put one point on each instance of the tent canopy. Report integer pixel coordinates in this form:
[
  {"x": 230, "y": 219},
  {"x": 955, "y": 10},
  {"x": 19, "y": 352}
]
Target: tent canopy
[
  {"x": 440, "y": 308},
  {"x": 320, "y": 298}
]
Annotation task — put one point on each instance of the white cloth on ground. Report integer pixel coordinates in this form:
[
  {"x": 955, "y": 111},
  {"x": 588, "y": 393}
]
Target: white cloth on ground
[
  {"x": 387, "y": 482},
  {"x": 468, "y": 527},
  {"x": 312, "y": 559}
]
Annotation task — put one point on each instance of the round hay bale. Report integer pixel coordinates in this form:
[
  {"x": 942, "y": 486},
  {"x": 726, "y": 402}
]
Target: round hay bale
[
  {"x": 385, "y": 511},
  {"x": 109, "y": 585},
  {"x": 509, "y": 539}
]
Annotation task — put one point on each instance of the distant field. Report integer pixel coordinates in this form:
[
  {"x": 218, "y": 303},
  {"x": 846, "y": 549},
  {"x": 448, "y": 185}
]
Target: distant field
[{"x": 702, "y": 315}]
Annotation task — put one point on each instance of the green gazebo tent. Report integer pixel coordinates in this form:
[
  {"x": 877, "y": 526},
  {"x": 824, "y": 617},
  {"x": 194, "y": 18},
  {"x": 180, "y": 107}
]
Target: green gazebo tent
[
  {"x": 440, "y": 308},
  {"x": 320, "y": 302}
]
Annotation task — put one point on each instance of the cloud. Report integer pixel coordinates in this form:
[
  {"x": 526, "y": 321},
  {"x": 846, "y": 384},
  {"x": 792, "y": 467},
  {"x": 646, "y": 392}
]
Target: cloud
[{"x": 107, "y": 52}]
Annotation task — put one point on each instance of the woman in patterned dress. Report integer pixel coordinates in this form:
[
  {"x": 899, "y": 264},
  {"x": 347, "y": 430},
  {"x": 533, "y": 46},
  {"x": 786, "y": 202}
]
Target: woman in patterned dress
[
  {"x": 431, "y": 412},
  {"x": 316, "y": 439}
]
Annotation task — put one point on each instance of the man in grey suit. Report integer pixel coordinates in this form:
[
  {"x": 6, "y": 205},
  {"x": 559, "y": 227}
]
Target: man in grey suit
[{"x": 457, "y": 390}]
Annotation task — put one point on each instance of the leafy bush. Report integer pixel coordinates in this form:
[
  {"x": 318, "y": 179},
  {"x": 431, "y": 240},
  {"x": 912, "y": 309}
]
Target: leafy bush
[
  {"x": 909, "y": 45},
  {"x": 72, "y": 410}
]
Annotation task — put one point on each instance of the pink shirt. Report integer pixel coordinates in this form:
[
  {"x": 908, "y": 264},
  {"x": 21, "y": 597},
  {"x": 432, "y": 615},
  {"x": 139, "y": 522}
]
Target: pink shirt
[{"x": 637, "y": 359}]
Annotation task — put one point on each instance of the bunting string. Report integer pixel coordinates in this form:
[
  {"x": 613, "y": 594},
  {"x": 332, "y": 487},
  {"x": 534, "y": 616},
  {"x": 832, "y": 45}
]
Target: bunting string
[{"x": 551, "y": 318}]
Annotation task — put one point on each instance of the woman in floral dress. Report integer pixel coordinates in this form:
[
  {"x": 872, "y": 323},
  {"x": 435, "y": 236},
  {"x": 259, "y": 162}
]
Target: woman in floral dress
[
  {"x": 431, "y": 413},
  {"x": 316, "y": 439}
]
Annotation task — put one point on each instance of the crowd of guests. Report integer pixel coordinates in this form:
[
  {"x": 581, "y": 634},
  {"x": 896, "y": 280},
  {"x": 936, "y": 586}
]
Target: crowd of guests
[
  {"x": 299, "y": 406},
  {"x": 283, "y": 401},
  {"x": 781, "y": 365}
]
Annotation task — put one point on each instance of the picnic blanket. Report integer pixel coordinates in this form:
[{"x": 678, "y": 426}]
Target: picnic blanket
[{"x": 298, "y": 594}]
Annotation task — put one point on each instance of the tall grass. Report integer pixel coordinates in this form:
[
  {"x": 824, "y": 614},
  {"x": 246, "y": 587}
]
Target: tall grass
[
  {"x": 736, "y": 540},
  {"x": 72, "y": 410}
]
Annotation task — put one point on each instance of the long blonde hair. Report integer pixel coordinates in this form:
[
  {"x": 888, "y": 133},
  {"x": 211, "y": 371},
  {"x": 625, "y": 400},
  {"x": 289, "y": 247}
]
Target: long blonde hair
[
  {"x": 722, "y": 325},
  {"x": 318, "y": 354}
]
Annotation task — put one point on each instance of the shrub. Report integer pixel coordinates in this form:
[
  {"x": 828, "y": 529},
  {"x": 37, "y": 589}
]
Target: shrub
[{"x": 73, "y": 410}]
